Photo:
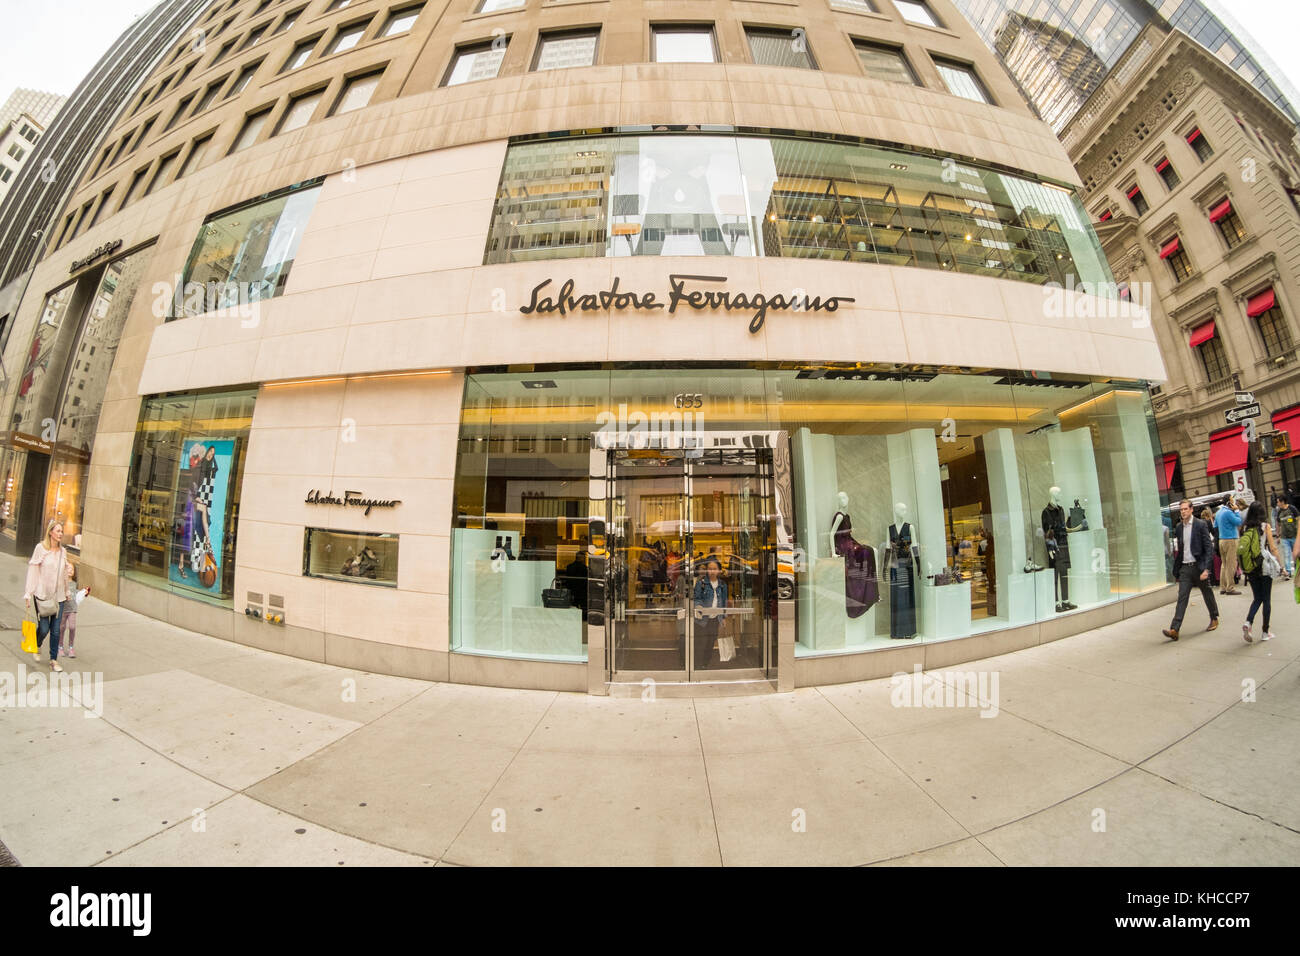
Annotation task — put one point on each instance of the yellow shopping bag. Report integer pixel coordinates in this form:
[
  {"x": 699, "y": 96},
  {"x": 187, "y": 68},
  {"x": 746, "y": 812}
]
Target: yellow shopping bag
[{"x": 29, "y": 637}]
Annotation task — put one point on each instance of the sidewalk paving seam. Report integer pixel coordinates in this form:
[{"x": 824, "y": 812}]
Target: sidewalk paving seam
[
  {"x": 708, "y": 786},
  {"x": 442, "y": 858},
  {"x": 912, "y": 780}
]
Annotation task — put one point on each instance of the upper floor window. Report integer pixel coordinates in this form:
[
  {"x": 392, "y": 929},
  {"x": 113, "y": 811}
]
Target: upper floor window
[
  {"x": 242, "y": 81},
  {"x": 1105, "y": 215},
  {"x": 1167, "y": 173},
  {"x": 1200, "y": 145},
  {"x": 300, "y": 111},
  {"x": 1205, "y": 342},
  {"x": 347, "y": 37},
  {"x": 481, "y": 61},
  {"x": 5, "y": 173},
  {"x": 861, "y": 6},
  {"x": 1175, "y": 256},
  {"x": 16, "y": 151},
  {"x": 266, "y": 234},
  {"x": 289, "y": 20},
  {"x": 491, "y": 6},
  {"x": 300, "y": 54},
  {"x": 1228, "y": 223},
  {"x": 774, "y": 47},
  {"x": 252, "y": 129},
  {"x": 683, "y": 44},
  {"x": 1139, "y": 201},
  {"x": 557, "y": 51},
  {"x": 210, "y": 94},
  {"x": 27, "y": 133},
  {"x": 337, "y": 5},
  {"x": 221, "y": 54},
  {"x": 399, "y": 21},
  {"x": 130, "y": 190},
  {"x": 255, "y": 37},
  {"x": 916, "y": 11},
  {"x": 198, "y": 152},
  {"x": 1264, "y": 309},
  {"x": 145, "y": 130},
  {"x": 160, "y": 174},
  {"x": 357, "y": 92},
  {"x": 961, "y": 80},
  {"x": 885, "y": 63}
]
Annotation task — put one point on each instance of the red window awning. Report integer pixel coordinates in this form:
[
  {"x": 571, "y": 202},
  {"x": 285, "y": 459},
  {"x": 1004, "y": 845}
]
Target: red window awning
[
  {"x": 1288, "y": 420},
  {"x": 1221, "y": 210},
  {"x": 1133, "y": 192},
  {"x": 1169, "y": 248},
  {"x": 1162, "y": 165},
  {"x": 1104, "y": 216},
  {"x": 1193, "y": 135},
  {"x": 1170, "y": 464},
  {"x": 1261, "y": 303},
  {"x": 1202, "y": 334},
  {"x": 1227, "y": 451}
]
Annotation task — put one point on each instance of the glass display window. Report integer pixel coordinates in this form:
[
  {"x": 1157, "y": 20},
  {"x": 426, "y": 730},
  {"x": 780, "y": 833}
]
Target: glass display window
[{"x": 353, "y": 556}]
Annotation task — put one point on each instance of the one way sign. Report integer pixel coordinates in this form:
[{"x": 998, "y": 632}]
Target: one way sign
[{"x": 1234, "y": 415}]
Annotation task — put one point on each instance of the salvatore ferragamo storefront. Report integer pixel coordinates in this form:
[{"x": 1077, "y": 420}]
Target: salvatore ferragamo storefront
[{"x": 695, "y": 408}]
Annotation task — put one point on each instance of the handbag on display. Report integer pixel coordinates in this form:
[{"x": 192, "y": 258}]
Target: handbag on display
[
  {"x": 556, "y": 596},
  {"x": 1078, "y": 520}
]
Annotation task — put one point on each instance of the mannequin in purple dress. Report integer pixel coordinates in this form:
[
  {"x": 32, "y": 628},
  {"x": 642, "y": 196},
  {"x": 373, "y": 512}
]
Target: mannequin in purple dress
[{"x": 861, "y": 589}]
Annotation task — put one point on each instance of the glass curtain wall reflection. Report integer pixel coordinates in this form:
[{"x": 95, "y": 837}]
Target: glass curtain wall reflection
[{"x": 724, "y": 195}]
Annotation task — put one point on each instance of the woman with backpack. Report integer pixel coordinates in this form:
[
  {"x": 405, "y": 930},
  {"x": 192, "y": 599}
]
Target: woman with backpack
[{"x": 1256, "y": 535}]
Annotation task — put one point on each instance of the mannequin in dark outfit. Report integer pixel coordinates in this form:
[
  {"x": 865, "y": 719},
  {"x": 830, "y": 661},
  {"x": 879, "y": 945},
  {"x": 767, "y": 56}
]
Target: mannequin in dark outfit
[
  {"x": 1055, "y": 534},
  {"x": 861, "y": 589},
  {"x": 903, "y": 557}
]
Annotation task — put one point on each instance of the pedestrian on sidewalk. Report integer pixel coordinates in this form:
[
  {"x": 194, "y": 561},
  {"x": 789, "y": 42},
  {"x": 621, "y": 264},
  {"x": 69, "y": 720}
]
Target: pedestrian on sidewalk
[
  {"x": 47, "y": 588},
  {"x": 68, "y": 614},
  {"x": 1228, "y": 521},
  {"x": 1193, "y": 558},
  {"x": 1288, "y": 521},
  {"x": 1258, "y": 536}
]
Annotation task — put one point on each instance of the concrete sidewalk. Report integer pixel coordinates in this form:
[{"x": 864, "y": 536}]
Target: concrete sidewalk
[{"x": 1112, "y": 747}]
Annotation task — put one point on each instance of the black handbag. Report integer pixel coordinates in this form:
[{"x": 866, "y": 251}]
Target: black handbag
[
  {"x": 556, "y": 596},
  {"x": 1078, "y": 520}
]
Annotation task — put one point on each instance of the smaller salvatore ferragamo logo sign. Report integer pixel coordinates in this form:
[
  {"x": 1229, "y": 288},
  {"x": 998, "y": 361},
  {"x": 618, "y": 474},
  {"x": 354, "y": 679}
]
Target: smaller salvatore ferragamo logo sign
[
  {"x": 350, "y": 499},
  {"x": 569, "y": 300}
]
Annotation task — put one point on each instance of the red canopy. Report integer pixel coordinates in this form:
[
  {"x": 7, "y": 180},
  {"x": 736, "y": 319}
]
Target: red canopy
[
  {"x": 1169, "y": 248},
  {"x": 1227, "y": 451},
  {"x": 1191, "y": 137},
  {"x": 1202, "y": 334},
  {"x": 1170, "y": 463},
  {"x": 1133, "y": 192},
  {"x": 1288, "y": 420},
  {"x": 1221, "y": 210},
  {"x": 1261, "y": 303},
  {"x": 1104, "y": 216},
  {"x": 1160, "y": 166}
]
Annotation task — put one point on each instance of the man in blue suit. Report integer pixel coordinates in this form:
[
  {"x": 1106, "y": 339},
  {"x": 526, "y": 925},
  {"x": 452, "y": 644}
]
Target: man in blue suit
[{"x": 1193, "y": 559}]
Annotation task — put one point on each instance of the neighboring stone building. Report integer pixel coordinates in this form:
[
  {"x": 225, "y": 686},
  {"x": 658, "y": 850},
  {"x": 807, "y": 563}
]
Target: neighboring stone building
[
  {"x": 1192, "y": 178},
  {"x": 39, "y": 105},
  {"x": 17, "y": 138}
]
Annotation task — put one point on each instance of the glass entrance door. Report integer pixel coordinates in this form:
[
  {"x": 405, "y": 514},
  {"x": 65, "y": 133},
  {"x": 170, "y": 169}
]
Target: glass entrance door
[{"x": 692, "y": 580}]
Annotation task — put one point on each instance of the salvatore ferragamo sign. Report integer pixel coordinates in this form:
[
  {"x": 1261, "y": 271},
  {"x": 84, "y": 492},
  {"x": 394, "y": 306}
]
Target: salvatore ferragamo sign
[
  {"x": 350, "y": 499},
  {"x": 568, "y": 300}
]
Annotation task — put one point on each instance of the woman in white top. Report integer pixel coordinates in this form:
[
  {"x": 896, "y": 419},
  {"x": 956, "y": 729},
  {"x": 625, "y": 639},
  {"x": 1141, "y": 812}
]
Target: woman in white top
[{"x": 47, "y": 578}]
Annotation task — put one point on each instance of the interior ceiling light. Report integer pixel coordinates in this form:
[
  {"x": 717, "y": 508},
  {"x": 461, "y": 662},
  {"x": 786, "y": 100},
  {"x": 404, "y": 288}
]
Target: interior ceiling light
[{"x": 539, "y": 383}]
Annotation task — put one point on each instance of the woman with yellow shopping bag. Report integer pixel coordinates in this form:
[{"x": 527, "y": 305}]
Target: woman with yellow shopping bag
[{"x": 47, "y": 589}]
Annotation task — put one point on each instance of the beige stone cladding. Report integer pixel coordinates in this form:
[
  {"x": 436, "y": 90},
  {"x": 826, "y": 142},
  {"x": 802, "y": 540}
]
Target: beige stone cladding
[{"x": 1175, "y": 90}]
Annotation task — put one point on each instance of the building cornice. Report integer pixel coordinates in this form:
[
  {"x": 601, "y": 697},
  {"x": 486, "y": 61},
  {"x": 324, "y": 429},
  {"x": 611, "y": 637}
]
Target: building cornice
[
  {"x": 1212, "y": 190},
  {"x": 1195, "y": 309},
  {"x": 1260, "y": 270}
]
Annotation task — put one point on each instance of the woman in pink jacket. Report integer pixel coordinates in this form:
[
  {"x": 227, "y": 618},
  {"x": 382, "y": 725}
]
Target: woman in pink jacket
[{"x": 47, "y": 579}]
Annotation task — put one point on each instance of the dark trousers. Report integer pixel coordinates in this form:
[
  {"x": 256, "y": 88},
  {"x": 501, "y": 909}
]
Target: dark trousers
[
  {"x": 1261, "y": 586},
  {"x": 706, "y": 635},
  {"x": 1189, "y": 576}
]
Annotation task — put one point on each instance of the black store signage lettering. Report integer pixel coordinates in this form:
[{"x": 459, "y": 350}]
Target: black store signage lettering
[
  {"x": 678, "y": 295},
  {"x": 350, "y": 499},
  {"x": 105, "y": 249}
]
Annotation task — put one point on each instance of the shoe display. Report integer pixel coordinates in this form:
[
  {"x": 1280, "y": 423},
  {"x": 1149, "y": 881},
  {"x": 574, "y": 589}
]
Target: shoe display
[
  {"x": 1245, "y": 632},
  {"x": 1170, "y": 633},
  {"x": 1214, "y": 624}
]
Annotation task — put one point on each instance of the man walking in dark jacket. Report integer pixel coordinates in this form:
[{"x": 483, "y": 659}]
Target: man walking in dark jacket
[{"x": 1193, "y": 559}]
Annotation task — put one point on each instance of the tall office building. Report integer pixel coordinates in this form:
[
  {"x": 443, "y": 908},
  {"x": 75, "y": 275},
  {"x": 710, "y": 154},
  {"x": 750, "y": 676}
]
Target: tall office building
[
  {"x": 40, "y": 106},
  {"x": 1059, "y": 51}
]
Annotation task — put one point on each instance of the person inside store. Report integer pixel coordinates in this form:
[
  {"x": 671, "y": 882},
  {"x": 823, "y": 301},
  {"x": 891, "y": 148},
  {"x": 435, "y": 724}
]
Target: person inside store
[
  {"x": 710, "y": 592},
  {"x": 1256, "y": 538},
  {"x": 1228, "y": 521},
  {"x": 1288, "y": 521},
  {"x": 1193, "y": 557},
  {"x": 574, "y": 578},
  {"x": 48, "y": 573}
]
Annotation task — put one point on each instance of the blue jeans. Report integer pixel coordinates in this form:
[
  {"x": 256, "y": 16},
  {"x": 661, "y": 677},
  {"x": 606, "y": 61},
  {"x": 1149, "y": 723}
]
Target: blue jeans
[
  {"x": 1288, "y": 553},
  {"x": 49, "y": 625}
]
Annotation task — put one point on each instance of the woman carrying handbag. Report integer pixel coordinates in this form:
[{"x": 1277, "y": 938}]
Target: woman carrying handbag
[
  {"x": 47, "y": 589},
  {"x": 1262, "y": 564}
]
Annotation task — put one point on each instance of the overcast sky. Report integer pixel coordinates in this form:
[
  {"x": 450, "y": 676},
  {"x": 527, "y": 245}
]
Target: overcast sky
[{"x": 51, "y": 44}]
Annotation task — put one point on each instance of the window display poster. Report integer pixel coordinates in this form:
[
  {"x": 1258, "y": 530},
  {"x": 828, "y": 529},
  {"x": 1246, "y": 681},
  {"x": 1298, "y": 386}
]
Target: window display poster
[{"x": 197, "y": 533}]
